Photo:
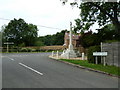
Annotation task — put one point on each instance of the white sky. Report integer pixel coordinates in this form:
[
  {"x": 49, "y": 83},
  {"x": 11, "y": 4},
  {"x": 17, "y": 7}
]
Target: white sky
[{"x": 49, "y": 13}]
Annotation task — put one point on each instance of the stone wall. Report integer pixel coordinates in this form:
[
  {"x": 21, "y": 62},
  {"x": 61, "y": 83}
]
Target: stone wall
[{"x": 113, "y": 53}]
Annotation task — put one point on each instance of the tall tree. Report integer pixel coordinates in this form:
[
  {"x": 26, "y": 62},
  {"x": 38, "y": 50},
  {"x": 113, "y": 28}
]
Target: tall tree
[
  {"x": 100, "y": 12},
  {"x": 19, "y": 32},
  {"x": 55, "y": 39}
]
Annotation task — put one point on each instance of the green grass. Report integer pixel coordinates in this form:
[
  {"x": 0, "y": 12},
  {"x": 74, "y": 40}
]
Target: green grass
[{"x": 109, "y": 69}]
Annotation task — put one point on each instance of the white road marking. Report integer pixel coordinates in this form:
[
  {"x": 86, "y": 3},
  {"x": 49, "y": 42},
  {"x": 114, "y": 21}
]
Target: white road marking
[
  {"x": 12, "y": 59},
  {"x": 31, "y": 68},
  {"x": 3, "y": 56}
]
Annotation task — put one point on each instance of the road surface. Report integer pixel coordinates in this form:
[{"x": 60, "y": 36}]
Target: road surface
[{"x": 37, "y": 70}]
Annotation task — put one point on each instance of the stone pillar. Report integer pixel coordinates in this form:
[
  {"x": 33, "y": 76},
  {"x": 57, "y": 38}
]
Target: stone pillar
[
  {"x": 69, "y": 53},
  {"x": 52, "y": 53},
  {"x": 70, "y": 37},
  {"x": 83, "y": 56},
  {"x": 57, "y": 54}
]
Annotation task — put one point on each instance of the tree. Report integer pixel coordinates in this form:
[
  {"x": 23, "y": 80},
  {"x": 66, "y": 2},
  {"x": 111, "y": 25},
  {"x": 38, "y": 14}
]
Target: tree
[
  {"x": 39, "y": 43},
  {"x": 55, "y": 39},
  {"x": 104, "y": 34},
  {"x": 58, "y": 38},
  {"x": 31, "y": 34},
  {"x": 108, "y": 33},
  {"x": 100, "y": 12},
  {"x": 0, "y": 38},
  {"x": 19, "y": 32}
]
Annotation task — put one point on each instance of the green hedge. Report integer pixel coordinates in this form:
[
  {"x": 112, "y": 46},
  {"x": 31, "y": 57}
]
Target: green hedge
[{"x": 92, "y": 49}]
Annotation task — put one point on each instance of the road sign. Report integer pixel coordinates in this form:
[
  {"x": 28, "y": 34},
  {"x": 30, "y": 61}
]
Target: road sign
[
  {"x": 8, "y": 43},
  {"x": 100, "y": 54}
]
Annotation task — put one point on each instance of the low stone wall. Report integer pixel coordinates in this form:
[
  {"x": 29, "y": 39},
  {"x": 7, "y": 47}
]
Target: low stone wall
[
  {"x": 42, "y": 48},
  {"x": 52, "y": 47},
  {"x": 113, "y": 53}
]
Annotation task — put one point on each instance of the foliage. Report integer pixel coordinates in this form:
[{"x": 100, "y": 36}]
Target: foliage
[
  {"x": 39, "y": 43},
  {"x": 23, "y": 50},
  {"x": 100, "y": 12},
  {"x": 0, "y": 38},
  {"x": 108, "y": 33},
  {"x": 55, "y": 39},
  {"x": 18, "y": 31},
  {"x": 104, "y": 34},
  {"x": 109, "y": 69},
  {"x": 90, "y": 53}
]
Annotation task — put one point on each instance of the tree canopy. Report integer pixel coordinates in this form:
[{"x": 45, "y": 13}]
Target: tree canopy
[
  {"x": 101, "y": 12},
  {"x": 55, "y": 39},
  {"x": 104, "y": 35},
  {"x": 20, "y": 32}
]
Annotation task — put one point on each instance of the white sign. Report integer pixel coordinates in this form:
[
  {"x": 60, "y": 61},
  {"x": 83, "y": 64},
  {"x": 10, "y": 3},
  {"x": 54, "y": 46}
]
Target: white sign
[
  {"x": 8, "y": 43},
  {"x": 99, "y": 53}
]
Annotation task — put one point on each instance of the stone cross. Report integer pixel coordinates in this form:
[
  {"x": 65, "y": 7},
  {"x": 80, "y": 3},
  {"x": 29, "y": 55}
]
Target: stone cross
[{"x": 70, "y": 37}]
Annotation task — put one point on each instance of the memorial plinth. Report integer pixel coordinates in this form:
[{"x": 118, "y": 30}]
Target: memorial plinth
[{"x": 69, "y": 53}]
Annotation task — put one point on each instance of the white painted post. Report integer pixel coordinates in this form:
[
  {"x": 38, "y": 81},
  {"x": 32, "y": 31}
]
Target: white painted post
[
  {"x": 104, "y": 62},
  {"x": 96, "y": 61},
  {"x": 7, "y": 48},
  {"x": 83, "y": 56},
  {"x": 57, "y": 54},
  {"x": 68, "y": 56},
  {"x": 52, "y": 53}
]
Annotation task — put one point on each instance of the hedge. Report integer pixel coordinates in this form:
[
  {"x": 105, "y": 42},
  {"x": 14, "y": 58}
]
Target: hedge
[{"x": 92, "y": 49}]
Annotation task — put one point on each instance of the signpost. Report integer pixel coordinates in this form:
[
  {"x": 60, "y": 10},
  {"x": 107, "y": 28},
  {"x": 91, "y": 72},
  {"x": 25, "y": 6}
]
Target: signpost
[
  {"x": 7, "y": 43},
  {"x": 102, "y": 54},
  {"x": 99, "y": 53}
]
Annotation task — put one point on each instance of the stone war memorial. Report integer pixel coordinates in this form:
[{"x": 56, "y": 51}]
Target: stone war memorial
[{"x": 70, "y": 52}]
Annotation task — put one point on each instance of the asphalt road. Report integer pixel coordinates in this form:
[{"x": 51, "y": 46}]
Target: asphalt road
[{"x": 37, "y": 70}]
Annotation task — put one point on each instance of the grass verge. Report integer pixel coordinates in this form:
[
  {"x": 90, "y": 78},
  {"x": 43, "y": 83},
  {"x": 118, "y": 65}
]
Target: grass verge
[{"x": 109, "y": 69}]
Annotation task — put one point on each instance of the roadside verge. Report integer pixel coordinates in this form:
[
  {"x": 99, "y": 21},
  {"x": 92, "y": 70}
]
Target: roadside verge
[{"x": 83, "y": 67}]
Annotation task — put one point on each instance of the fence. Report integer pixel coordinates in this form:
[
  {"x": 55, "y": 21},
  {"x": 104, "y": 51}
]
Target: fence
[{"x": 112, "y": 49}]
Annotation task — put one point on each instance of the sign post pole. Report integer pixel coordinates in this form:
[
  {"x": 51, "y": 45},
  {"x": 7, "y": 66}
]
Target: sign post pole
[
  {"x": 101, "y": 54},
  {"x": 96, "y": 61},
  {"x": 7, "y": 48},
  {"x": 104, "y": 61},
  {"x": 8, "y": 45}
]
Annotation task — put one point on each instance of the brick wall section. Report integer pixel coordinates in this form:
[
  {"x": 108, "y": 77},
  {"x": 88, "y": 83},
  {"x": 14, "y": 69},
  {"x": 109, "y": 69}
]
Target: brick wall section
[{"x": 113, "y": 53}]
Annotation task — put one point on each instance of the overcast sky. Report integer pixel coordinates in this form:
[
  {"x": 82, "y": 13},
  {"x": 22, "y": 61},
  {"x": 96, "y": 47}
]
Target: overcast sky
[{"x": 50, "y": 13}]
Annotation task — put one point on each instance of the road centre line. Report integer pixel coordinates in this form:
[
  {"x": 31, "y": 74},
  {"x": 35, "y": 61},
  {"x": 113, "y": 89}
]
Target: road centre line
[
  {"x": 11, "y": 58},
  {"x": 30, "y": 68}
]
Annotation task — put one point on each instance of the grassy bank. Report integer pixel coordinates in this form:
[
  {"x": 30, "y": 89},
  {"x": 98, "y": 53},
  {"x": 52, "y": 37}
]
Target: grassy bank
[{"x": 109, "y": 69}]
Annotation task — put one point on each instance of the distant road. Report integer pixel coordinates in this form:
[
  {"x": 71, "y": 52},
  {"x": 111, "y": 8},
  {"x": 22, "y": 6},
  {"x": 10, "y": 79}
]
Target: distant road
[{"x": 36, "y": 70}]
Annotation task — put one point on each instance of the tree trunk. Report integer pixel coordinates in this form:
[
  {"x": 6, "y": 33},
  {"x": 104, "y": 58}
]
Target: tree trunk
[{"x": 116, "y": 23}]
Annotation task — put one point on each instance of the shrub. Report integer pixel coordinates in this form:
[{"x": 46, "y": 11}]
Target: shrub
[
  {"x": 29, "y": 49},
  {"x": 92, "y": 49},
  {"x": 33, "y": 50},
  {"x": 23, "y": 50}
]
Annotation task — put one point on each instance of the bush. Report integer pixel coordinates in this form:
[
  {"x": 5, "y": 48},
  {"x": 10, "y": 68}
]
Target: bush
[
  {"x": 29, "y": 49},
  {"x": 33, "y": 50},
  {"x": 92, "y": 49},
  {"x": 23, "y": 50}
]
